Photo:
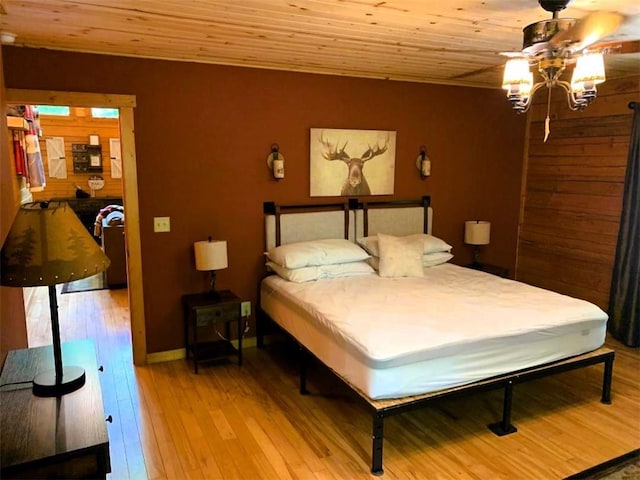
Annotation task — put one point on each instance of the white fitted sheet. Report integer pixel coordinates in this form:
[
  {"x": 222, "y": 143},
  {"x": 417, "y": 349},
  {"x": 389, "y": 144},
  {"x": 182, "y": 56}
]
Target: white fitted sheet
[{"x": 395, "y": 337}]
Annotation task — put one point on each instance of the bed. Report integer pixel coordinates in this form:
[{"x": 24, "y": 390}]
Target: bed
[{"x": 402, "y": 335}]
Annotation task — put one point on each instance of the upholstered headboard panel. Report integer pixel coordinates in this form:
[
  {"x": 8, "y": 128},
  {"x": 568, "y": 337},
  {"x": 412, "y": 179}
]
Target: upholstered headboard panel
[
  {"x": 393, "y": 217},
  {"x": 296, "y": 223}
]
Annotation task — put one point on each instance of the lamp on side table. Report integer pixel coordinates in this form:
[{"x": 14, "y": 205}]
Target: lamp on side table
[
  {"x": 477, "y": 233},
  {"x": 211, "y": 255},
  {"x": 46, "y": 245}
]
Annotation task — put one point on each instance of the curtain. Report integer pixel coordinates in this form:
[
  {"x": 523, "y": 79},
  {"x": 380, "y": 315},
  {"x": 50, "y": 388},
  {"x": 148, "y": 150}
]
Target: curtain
[{"x": 624, "y": 299}]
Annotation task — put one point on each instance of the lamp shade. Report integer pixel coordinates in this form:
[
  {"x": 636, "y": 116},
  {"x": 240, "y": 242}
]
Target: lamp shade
[
  {"x": 211, "y": 255},
  {"x": 477, "y": 232},
  {"x": 46, "y": 245},
  {"x": 589, "y": 68},
  {"x": 516, "y": 72}
]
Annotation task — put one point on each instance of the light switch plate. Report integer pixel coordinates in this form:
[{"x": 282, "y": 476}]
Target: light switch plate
[
  {"x": 161, "y": 224},
  {"x": 245, "y": 309}
]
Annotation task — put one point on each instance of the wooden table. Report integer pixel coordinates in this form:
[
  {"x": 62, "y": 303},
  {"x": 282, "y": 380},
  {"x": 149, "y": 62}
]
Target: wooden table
[
  {"x": 201, "y": 311},
  {"x": 56, "y": 437}
]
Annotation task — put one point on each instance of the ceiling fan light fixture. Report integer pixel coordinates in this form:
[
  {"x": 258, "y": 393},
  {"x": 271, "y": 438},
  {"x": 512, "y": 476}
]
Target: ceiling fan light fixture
[
  {"x": 589, "y": 69},
  {"x": 516, "y": 72},
  {"x": 518, "y": 82}
]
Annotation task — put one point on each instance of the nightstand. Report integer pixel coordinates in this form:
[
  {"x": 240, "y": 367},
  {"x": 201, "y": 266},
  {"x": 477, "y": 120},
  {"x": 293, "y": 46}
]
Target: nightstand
[
  {"x": 203, "y": 312},
  {"x": 488, "y": 268}
]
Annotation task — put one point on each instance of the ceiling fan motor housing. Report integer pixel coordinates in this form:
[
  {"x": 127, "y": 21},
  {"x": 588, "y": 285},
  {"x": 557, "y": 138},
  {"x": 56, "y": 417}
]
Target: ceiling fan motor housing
[
  {"x": 553, "y": 5},
  {"x": 536, "y": 35}
]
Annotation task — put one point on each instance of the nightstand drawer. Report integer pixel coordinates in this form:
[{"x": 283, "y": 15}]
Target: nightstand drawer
[{"x": 221, "y": 313}]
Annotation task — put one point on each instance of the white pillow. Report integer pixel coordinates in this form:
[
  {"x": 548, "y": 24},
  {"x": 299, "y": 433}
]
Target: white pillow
[
  {"x": 307, "y": 274},
  {"x": 316, "y": 252},
  {"x": 400, "y": 256},
  {"x": 431, "y": 244},
  {"x": 428, "y": 260},
  {"x": 436, "y": 258}
]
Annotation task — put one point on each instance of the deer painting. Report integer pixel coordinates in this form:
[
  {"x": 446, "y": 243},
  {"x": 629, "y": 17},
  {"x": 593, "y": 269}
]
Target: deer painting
[{"x": 355, "y": 183}]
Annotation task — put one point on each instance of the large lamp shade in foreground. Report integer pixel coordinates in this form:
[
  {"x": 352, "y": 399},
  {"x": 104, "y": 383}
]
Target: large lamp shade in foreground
[{"x": 46, "y": 245}]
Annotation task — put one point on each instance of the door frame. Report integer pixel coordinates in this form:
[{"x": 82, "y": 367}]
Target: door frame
[{"x": 126, "y": 104}]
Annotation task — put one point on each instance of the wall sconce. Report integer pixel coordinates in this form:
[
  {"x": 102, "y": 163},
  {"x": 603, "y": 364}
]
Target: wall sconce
[
  {"x": 423, "y": 163},
  {"x": 275, "y": 161},
  {"x": 476, "y": 233},
  {"x": 211, "y": 255}
]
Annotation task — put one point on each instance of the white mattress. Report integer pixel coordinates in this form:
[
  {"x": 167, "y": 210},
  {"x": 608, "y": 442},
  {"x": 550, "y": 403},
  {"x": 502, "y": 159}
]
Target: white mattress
[{"x": 395, "y": 337}]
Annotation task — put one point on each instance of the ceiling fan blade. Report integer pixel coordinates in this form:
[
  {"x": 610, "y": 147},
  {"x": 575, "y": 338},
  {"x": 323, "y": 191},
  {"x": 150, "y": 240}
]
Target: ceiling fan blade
[
  {"x": 476, "y": 72},
  {"x": 588, "y": 30},
  {"x": 616, "y": 47},
  {"x": 512, "y": 54}
]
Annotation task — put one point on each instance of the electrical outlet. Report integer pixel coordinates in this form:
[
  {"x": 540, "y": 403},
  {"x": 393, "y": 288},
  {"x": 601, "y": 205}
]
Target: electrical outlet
[
  {"x": 161, "y": 224},
  {"x": 245, "y": 309}
]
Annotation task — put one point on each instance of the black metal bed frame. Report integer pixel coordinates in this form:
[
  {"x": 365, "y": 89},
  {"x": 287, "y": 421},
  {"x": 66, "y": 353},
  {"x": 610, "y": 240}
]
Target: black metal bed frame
[{"x": 381, "y": 409}]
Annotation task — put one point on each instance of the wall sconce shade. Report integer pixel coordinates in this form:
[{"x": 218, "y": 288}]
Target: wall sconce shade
[
  {"x": 211, "y": 255},
  {"x": 423, "y": 163},
  {"x": 275, "y": 162},
  {"x": 476, "y": 233},
  {"x": 46, "y": 245}
]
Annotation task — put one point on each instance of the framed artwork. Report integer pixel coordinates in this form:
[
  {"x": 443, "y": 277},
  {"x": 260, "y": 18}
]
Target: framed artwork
[{"x": 351, "y": 162}]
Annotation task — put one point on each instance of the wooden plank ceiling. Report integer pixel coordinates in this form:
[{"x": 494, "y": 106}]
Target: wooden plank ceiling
[{"x": 413, "y": 40}]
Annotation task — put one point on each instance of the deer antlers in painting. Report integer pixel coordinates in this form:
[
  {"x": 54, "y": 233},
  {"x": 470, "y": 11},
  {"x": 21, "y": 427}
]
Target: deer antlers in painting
[{"x": 356, "y": 183}]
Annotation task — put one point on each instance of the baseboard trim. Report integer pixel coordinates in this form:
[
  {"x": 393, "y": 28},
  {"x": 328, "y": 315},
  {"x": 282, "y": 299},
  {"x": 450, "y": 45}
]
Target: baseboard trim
[
  {"x": 166, "y": 356},
  {"x": 180, "y": 353}
]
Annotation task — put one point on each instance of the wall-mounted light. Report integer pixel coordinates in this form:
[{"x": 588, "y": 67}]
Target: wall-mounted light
[
  {"x": 275, "y": 161},
  {"x": 423, "y": 164}
]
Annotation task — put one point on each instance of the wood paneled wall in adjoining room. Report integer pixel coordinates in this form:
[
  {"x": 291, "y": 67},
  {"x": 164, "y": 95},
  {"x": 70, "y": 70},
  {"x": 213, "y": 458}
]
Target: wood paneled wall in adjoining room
[
  {"x": 76, "y": 128},
  {"x": 573, "y": 192}
]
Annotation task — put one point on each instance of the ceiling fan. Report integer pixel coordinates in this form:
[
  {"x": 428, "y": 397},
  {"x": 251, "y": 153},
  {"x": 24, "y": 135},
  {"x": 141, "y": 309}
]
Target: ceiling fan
[{"x": 553, "y": 44}]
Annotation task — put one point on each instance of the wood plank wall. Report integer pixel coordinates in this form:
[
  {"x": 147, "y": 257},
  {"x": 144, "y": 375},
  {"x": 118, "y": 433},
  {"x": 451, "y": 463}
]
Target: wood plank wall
[
  {"x": 76, "y": 128},
  {"x": 573, "y": 192}
]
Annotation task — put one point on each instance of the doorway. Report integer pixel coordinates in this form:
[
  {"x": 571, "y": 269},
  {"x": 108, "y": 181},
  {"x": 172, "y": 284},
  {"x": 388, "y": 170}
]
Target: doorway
[{"x": 125, "y": 104}]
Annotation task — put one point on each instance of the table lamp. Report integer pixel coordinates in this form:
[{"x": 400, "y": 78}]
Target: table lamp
[
  {"x": 211, "y": 255},
  {"x": 46, "y": 245},
  {"x": 476, "y": 233}
]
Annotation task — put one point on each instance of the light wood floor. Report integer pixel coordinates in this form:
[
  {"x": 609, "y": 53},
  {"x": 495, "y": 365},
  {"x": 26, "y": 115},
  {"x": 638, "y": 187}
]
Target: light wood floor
[{"x": 250, "y": 422}]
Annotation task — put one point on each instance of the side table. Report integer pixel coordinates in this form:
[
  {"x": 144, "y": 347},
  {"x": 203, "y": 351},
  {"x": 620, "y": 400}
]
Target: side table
[
  {"x": 202, "y": 310},
  {"x": 52, "y": 437}
]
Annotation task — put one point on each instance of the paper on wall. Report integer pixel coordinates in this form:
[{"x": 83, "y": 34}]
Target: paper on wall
[
  {"x": 115, "y": 156},
  {"x": 56, "y": 158}
]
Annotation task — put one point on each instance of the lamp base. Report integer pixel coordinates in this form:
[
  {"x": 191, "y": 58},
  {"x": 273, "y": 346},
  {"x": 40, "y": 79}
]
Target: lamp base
[
  {"x": 213, "y": 295},
  {"x": 45, "y": 385}
]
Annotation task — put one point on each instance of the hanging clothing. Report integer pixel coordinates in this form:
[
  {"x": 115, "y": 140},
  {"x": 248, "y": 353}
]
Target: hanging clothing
[
  {"x": 19, "y": 153},
  {"x": 35, "y": 167}
]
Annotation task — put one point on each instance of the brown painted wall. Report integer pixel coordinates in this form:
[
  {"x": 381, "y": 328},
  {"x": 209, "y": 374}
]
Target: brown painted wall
[
  {"x": 13, "y": 328},
  {"x": 203, "y": 133}
]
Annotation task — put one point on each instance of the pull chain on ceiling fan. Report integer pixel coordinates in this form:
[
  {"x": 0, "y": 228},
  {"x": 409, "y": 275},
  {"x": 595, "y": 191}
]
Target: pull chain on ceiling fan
[{"x": 552, "y": 45}]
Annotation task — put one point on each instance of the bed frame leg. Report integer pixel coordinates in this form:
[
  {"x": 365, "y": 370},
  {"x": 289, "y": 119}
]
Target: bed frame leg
[
  {"x": 376, "y": 451},
  {"x": 505, "y": 427},
  {"x": 606, "y": 382},
  {"x": 304, "y": 360}
]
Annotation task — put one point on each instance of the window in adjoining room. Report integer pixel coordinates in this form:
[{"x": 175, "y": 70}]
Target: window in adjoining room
[
  {"x": 53, "y": 110},
  {"x": 105, "y": 112}
]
